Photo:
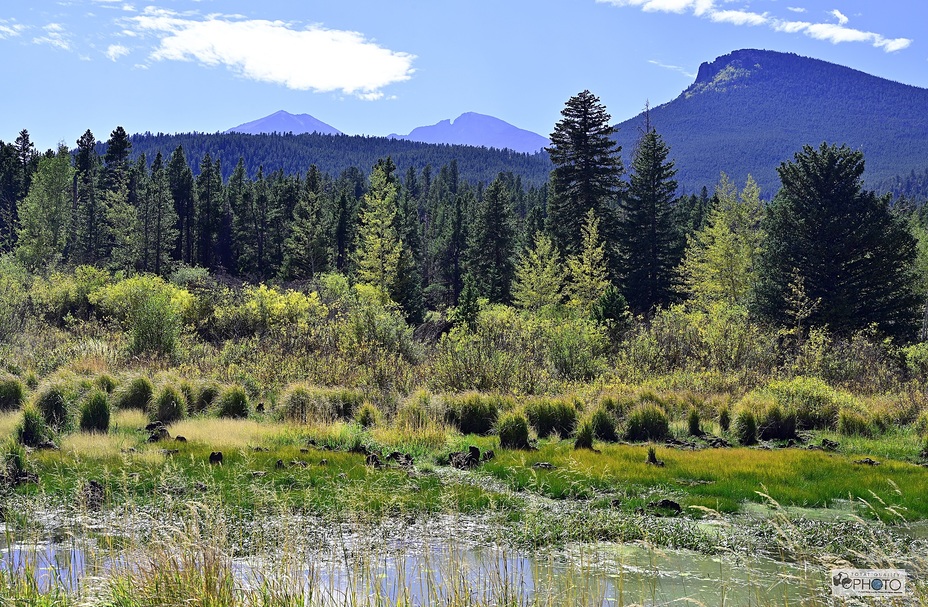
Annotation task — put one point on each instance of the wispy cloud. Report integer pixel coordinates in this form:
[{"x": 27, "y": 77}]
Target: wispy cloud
[
  {"x": 115, "y": 51},
  {"x": 675, "y": 68},
  {"x": 9, "y": 29},
  {"x": 54, "y": 35},
  {"x": 830, "y": 32},
  {"x": 312, "y": 58}
]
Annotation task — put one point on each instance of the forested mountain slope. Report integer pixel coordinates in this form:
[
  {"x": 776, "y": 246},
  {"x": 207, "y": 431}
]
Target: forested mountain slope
[{"x": 752, "y": 109}]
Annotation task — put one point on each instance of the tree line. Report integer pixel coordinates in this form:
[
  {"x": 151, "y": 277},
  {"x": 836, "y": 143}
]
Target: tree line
[{"x": 594, "y": 240}]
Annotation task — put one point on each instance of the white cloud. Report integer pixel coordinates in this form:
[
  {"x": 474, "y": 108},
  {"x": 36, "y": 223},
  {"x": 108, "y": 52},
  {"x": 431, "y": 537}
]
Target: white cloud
[
  {"x": 313, "y": 58},
  {"x": 830, "y": 32},
  {"x": 115, "y": 51},
  {"x": 675, "y": 68},
  {"x": 9, "y": 29},
  {"x": 738, "y": 17},
  {"x": 54, "y": 36}
]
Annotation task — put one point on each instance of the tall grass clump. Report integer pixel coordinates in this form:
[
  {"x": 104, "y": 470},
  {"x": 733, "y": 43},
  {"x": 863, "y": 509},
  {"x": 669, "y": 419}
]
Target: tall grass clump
[
  {"x": 513, "y": 430},
  {"x": 106, "y": 382},
  {"x": 647, "y": 422},
  {"x": 202, "y": 396},
  {"x": 604, "y": 425},
  {"x": 368, "y": 415},
  {"x": 417, "y": 412},
  {"x": 745, "y": 427},
  {"x": 13, "y": 461},
  {"x": 11, "y": 393},
  {"x": 55, "y": 401},
  {"x": 724, "y": 418},
  {"x": 136, "y": 393},
  {"x": 32, "y": 430},
  {"x": 853, "y": 423},
  {"x": 232, "y": 403},
  {"x": 552, "y": 416},
  {"x": 772, "y": 420},
  {"x": 585, "y": 434},
  {"x": 815, "y": 403},
  {"x": 474, "y": 413},
  {"x": 95, "y": 412},
  {"x": 304, "y": 403},
  {"x": 692, "y": 423},
  {"x": 168, "y": 405}
]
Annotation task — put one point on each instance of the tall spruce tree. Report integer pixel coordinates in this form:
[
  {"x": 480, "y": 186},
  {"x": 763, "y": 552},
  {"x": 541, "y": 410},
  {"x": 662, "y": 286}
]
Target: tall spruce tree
[
  {"x": 180, "y": 179},
  {"x": 378, "y": 248},
  {"x": 307, "y": 247},
  {"x": 89, "y": 222},
  {"x": 539, "y": 276},
  {"x": 838, "y": 244},
  {"x": 587, "y": 173},
  {"x": 209, "y": 211},
  {"x": 587, "y": 275},
  {"x": 491, "y": 244},
  {"x": 649, "y": 244}
]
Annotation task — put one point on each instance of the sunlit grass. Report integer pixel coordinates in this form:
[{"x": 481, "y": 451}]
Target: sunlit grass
[{"x": 8, "y": 422}]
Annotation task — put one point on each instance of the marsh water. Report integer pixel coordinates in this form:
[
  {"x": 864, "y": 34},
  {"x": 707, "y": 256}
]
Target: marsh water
[{"x": 425, "y": 570}]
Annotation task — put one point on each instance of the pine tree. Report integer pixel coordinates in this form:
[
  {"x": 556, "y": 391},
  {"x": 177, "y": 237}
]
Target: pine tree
[
  {"x": 539, "y": 276},
  {"x": 650, "y": 246},
  {"x": 378, "y": 248},
  {"x": 841, "y": 244},
  {"x": 89, "y": 245},
  {"x": 163, "y": 217},
  {"x": 588, "y": 278},
  {"x": 307, "y": 248},
  {"x": 721, "y": 261},
  {"x": 46, "y": 212},
  {"x": 491, "y": 244},
  {"x": 116, "y": 159},
  {"x": 209, "y": 211},
  {"x": 180, "y": 180},
  {"x": 587, "y": 172}
]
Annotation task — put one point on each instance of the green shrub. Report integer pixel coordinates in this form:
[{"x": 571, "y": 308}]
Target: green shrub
[
  {"x": 604, "y": 425},
  {"x": 11, "y": 393},
  {"x": 921, "y": 424},
  {"x": 552, "y": 416},
  {"x": 745, "y": 427},
  {"x": 134, "y": 394},
  {"x": 647, "y": 422},
  {"x": 95, "y": 412},
  {"x": 368, "y": 415},
  {"x": 168, "y": 405},
  {"x": 513, "y": 430},
  {"x": 724, "y": 418},
  {"x": 305, "y": 403},
  {"x": 106, "y": 382},
  {"x": 815, "y": 403},
  {"x": 585, "y": 434},
  {"x": 692, "y": 423},
  {"x": 233, "y": 402},
  {"x": 32, "y": 431},
  {"x": 55, "y": 401},
  {"x": 473, "y": 413},
  {"x": 853, "y": 423}
]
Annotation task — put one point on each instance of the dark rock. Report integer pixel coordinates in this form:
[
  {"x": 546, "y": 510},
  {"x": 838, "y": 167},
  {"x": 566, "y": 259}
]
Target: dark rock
[
  {"x": 93, "y": 494},
  {"x": 215, "y": 458},
  {"x": 342, "y": 475},
  {"x": 259, "y": 408},
  {"x": 403, "y": 459},
  {"x": 543, "y": 466},
  {"x": 487, "y": 455},
  {"x": 717, "y": 442},
  {"x": 474, "y": 453},
  {"x": 465, "y": 460},
  {"x": 373, "y": 460},
  {"x": 168, "y": 452},
  {"x": 867, "y": 462},
  {"x": 665, "y": 504},
  {"x": 200, "y": 486},
  {"x": 159, "y": 433},
  {"x": 298, "y": 463},
  {"x": 304, "y": 450},
  {"x": 280, "y": 464},
  {"x": 258, "y": 473},
  {"x": 154, "y": 426},
  {"x": 323, "y": 462},
  {"x": 360, "y": 449},
  {"x": 830, "y": 445},
  {"x": 47, "y": 446},
  {"x": 616, "y": 503},
  {"x": 180, "y": 439}
]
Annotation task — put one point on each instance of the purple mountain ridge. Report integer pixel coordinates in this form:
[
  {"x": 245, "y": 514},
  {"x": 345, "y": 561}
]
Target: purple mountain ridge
[
  {"x": 478, "y": 130},
  {"x": 285, "y": 122}
]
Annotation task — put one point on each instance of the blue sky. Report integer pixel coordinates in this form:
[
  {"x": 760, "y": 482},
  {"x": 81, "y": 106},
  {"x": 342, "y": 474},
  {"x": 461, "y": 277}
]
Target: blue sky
[{"x": 375, "y": 67}]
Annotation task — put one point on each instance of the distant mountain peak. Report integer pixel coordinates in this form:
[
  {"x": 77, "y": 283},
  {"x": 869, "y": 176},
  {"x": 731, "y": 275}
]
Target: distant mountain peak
[
  {"x": 282, "y": 121},
  {"x": 471, "y": 128}
]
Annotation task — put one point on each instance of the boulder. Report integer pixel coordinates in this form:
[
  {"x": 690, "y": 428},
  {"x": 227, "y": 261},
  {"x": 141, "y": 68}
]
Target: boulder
[{"x": 215, "y": 458}]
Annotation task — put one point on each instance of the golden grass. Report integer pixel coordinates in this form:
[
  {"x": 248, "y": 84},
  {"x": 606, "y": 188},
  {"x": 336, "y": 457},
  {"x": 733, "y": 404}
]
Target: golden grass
[
  {"x": 8, "y": 422},
  {"x": 230, "y": 434},
  {"x": 97, "y": 446}
]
